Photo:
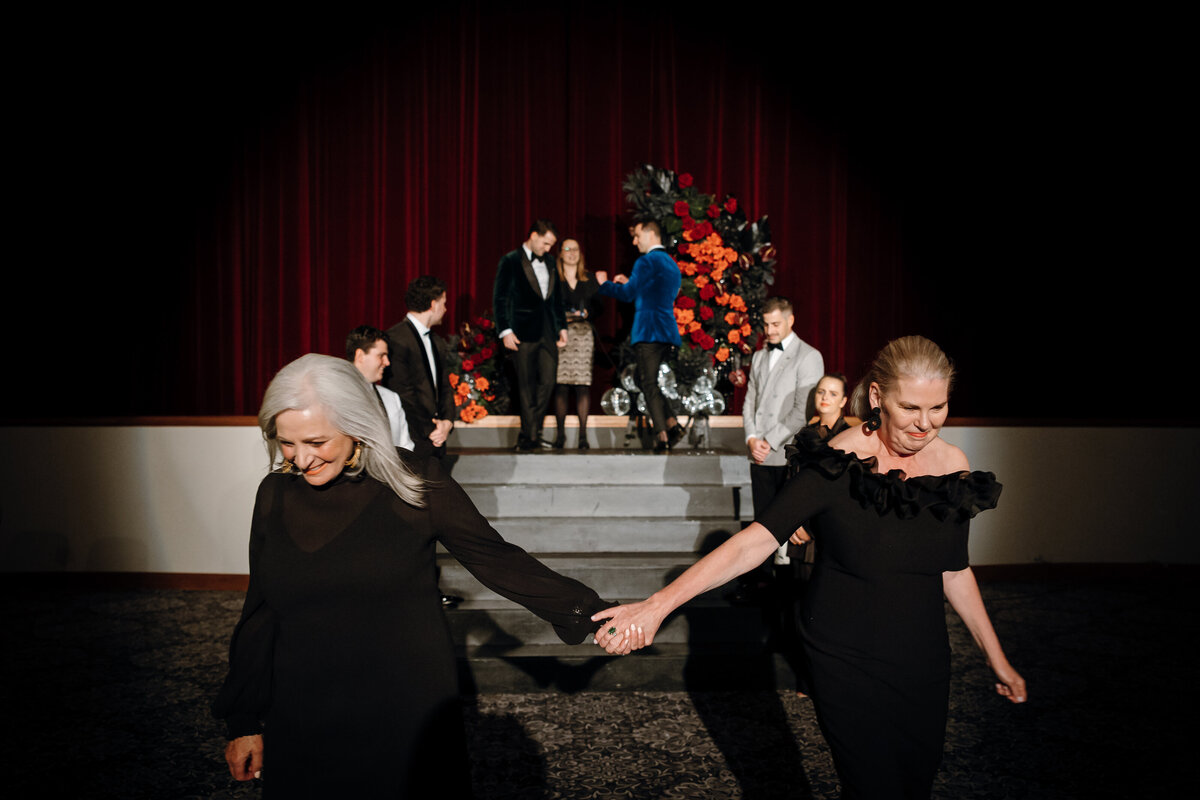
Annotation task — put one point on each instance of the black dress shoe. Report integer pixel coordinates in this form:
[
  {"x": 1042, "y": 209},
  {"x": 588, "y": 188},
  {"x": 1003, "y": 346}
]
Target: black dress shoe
[
  {"x": 661, "y": 447},
  {"x": 451, "y": 600},
  {"x": 560, "y": 441},
  {"x": 525, "y": 444}
]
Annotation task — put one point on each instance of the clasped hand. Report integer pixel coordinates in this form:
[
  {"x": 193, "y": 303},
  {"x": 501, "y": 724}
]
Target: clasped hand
[{"x": 627, "y": 628}]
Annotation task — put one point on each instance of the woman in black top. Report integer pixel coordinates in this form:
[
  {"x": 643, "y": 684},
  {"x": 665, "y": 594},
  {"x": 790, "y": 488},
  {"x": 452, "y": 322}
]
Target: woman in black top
[{"x": 342, "y": 668}]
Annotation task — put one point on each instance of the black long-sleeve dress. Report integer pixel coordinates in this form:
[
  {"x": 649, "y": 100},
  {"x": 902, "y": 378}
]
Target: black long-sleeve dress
[
  {"x": 874, "y": 625},
  {"x": 343, "y": 659}
]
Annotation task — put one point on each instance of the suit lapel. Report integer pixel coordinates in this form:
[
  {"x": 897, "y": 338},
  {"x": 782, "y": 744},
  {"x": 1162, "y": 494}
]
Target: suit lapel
[
  {"x": 425, "y": 361},
  {"x": 530, "y": 274}
]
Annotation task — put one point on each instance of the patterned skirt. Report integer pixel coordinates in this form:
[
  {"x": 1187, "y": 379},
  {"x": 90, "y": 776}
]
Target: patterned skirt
[{"x": 575, "y": 360}]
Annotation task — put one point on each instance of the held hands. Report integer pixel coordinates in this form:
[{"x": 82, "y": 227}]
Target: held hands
[
  {"x": 244, "y": 756},
  {"x": 441, "y": 429},
  {"x": 759, "y": 449},
  {"x": 800, "y": 537},
  {"x": 601, "y": 276},
  {"x": 511, "y": 341},
  {"x": 627, "y": 628},
  {"x": 620, "y": 279}
]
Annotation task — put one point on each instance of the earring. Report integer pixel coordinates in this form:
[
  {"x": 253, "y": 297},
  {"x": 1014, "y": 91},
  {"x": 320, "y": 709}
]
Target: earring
[
  {"x": 872, "y": 422},
  {"x": 353, "y": 462},
  {"x": 287, "y": 466}
]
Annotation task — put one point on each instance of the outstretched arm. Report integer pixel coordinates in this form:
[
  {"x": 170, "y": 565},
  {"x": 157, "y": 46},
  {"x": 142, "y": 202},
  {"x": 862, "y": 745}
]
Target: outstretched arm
[
  {"x": 633, "y": 626},
  {"x": 963, "y": 593}
]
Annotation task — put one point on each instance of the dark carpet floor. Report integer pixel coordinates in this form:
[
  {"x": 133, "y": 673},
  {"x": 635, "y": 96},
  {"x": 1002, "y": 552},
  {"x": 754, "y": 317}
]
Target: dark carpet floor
[{"x": 105, "y": 694}]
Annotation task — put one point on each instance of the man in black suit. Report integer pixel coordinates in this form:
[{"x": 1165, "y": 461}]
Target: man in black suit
[
  {"x": 532, "y": 324},
  {"x": 417, "y": 372}
]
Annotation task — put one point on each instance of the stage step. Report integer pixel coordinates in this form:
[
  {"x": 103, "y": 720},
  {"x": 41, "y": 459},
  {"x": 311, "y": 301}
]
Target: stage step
[
  {"x": 622, "y": 535},
  {"x": 625, "y": 524}
]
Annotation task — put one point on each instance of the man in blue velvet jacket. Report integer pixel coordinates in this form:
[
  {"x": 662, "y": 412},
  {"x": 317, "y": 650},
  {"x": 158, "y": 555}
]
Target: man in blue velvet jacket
[{"x": 652, "y": 288}]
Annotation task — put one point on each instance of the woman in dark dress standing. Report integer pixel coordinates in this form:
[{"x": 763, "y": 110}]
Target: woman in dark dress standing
[
  {"x": 889, "y": 502},
  {"x": 342, "y": 679},
  {"x": 578, "y": 292}
]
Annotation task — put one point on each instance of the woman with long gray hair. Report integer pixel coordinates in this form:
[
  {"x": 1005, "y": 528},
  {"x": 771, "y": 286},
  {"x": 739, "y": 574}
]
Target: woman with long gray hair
[{"x": 342, "y": 678}]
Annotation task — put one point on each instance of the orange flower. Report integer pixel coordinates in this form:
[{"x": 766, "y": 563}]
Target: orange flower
[
  {"x": 735, "y": 336},
  {"x": 684, "y": 315},
  {"x": 746, "y": 329},
  {"x": 722, "y": 353},
  {"x": 453, "y": 379},
  {"x": 463, "y": 389},
  {"x": 693, "y": 326},
  {"x": 737, "y": 303},
  {"x": 722, "y": 299},
  {"x": 701, "y": 281},
  {"x": 482, "y": 384},
  {"x": 732, "y": 318},
  {"x": 687, "y": 267}
]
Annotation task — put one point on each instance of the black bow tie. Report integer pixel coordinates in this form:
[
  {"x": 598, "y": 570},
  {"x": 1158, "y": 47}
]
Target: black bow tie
[
  {"x": 536, "y": 259},
  {"x": 774, "y": 345}
]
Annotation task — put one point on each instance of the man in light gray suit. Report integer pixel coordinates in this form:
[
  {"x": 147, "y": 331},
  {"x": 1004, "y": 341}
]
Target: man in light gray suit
[{"x": 782, "y": 375}]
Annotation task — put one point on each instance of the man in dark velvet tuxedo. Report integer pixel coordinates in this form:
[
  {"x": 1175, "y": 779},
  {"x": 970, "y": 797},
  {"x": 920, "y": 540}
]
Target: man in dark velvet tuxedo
[
  {"x": 417, "y": 372},
  {"x": 652, "y": 288},
  {"x": 532, "y": 325}
]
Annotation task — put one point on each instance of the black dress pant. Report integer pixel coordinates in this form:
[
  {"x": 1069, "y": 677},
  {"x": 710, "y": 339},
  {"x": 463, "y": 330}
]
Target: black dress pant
[
  {"x": 537, "y": 371},
  {"x": 649, "y": 355}
]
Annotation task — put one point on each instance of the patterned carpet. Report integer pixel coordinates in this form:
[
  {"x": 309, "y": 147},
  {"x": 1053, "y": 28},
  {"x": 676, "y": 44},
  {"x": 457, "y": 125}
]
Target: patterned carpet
[{"x": 106, "y": 695}]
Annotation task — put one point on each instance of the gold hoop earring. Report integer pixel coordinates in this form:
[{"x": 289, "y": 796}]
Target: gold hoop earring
[
  {"x": 287, "y": 466},
  {"x": 353, "y": 462}
]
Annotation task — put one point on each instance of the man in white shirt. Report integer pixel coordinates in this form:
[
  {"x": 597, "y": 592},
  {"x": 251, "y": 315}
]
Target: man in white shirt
[{"x": 367, "y": 349}]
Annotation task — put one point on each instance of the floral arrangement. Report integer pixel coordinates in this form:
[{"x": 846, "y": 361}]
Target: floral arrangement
[
  {"x": 475, "y": 371},
  {"x": 726, "y": 263}
]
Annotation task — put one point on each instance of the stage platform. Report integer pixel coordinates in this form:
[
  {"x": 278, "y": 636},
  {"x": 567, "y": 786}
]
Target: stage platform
[{"x": 625, "y": 522}]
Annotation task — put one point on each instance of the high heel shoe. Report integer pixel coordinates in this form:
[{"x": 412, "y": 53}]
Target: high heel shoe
[{"x": 560, "y": 441}]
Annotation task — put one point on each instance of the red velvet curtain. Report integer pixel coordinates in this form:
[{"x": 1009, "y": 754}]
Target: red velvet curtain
[{"x": 430, "y": 149}]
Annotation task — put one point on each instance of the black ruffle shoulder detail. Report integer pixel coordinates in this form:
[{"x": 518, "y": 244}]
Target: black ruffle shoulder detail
[{"x": 960, "y": 495}]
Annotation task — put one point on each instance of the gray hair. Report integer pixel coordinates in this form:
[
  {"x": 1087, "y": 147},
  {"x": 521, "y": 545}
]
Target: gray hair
[
  {"x": 906, "y": 357},
  {"x": 351, "y": 405}
]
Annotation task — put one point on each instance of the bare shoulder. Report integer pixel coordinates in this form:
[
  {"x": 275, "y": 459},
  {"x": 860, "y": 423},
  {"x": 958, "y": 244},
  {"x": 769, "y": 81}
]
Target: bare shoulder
[
  {"x": 947, "y": 457},
  {"x": 853, "y": 440}
]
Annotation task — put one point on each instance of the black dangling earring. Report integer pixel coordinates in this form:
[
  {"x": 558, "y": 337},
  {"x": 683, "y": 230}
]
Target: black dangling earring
[{"x": 872, "y": 422}]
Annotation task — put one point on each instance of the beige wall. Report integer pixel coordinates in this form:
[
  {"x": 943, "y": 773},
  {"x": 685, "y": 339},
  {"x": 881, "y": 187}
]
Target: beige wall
[{"x": 178, "y": 499}]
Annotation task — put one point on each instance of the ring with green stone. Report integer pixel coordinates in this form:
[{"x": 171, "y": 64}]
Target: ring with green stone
[{"x": 612, "y": 631}]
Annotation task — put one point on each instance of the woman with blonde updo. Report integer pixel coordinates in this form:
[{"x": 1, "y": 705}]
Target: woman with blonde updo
[{"x": 889, "y": 503}]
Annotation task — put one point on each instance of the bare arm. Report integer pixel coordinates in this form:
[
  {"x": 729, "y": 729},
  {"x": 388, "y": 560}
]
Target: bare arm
[
  {"x": 963, "y": 593},
  {"x": 636, "y": 624}
]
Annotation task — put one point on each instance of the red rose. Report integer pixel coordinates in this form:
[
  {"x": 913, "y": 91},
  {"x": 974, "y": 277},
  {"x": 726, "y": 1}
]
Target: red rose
[
  {"x": 697, "y": 336},
  {"x": 703, "y": 269},
  {"x": 479, "y": 338},
  {"x": 707, "y": 293},
  {"x": 468, "y": 365},
  {"x": 683, "y": 301},
  {"x": 684, "y": 248},
  {"x": 681, "y": 208},
  {"x": 704, "y": 230},
  {"x": 706, "y": 313},
  {"x": 708, "y": 342},
  {"x": 685, "y": 180},
  {"x": 714, "y": 211},
  {"x": 688, "y": 223},
  {"x": 485, "y": 353},
  {"x": 731, "y": 205}
]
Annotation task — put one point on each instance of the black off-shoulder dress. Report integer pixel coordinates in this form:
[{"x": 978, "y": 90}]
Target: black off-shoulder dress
[
  {"x": 343, "y": 659},
  {"x": 874, "y": 626}
]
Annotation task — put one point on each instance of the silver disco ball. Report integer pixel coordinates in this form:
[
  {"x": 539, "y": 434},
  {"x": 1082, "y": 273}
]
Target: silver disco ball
[
  {"x": 666, "y": 382},
  {"x": 629, "y": 379},
  {"x": 615, "y": 402},
  {"x": 705, "y": 381},
  {"x": 691, "y": 403},
  {"x": 641, "y": 405},
  {"x": 714, "y": 405}
]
